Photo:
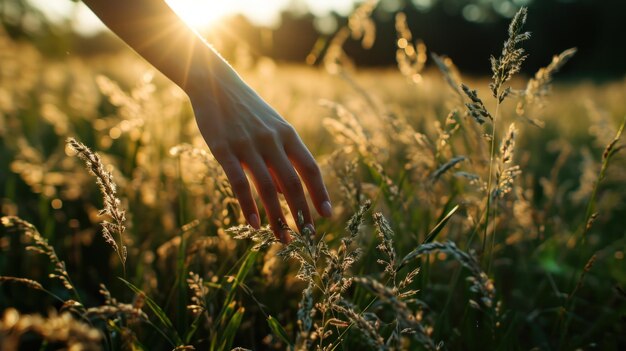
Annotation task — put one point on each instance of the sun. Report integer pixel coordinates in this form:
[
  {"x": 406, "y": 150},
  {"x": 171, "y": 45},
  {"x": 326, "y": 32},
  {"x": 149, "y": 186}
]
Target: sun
[{"x": 201, "y": 14}]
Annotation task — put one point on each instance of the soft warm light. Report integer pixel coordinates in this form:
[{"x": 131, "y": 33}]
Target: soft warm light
[{"x": 201, "y": 13}]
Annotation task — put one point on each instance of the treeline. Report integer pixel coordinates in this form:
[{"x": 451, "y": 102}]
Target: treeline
[{"x": 594, "y": 27}]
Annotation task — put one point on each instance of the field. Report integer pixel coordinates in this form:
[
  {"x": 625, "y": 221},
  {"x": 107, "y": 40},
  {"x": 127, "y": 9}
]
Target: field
[{"x": 447, "y": 234}]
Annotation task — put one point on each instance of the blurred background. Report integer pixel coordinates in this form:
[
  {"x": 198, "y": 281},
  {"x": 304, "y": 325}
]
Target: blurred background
[{"x": 288, "y": 30}]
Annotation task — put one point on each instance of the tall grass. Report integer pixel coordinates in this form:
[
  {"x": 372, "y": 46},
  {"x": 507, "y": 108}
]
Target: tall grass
[{"x": 456, "y": 227}]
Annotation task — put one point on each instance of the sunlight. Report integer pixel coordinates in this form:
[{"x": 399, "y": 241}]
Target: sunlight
[{"x": 201, "y": 14}]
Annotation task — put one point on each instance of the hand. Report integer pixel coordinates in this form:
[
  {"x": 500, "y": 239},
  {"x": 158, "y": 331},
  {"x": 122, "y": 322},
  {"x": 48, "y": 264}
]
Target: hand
[
  {"x": 242, "y": 130},
  {"x": 245, "y": 133}
]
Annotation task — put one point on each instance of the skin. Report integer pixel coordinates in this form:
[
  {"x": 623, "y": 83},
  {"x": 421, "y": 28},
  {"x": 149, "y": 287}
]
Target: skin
[{"x": 244, "y": 133}]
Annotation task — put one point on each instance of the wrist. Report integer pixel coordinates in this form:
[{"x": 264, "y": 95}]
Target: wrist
[{"x": 210, "y": 77}]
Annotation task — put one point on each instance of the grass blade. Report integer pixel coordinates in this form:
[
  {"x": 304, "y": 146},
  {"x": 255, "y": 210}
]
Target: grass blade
[
  {"x": 158, "y": 312},
  {"x": 244, "y": 269},
  {"x": 231, "y": 330},
  {"x": 442, "y": 223},
  {"x": 279, "y": 331},
  {"x": 431, "y": 236}
]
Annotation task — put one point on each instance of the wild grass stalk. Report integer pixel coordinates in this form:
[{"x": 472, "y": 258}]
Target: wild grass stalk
[
  {"x": 112, "y": 205},
  {"x": 608, "y": 153},
  {"x": 40, "y": 245},
  {"x": 566, "y": 313},
  {"x": 503, "y": 69},
  {"x": 402, "y": 275}
]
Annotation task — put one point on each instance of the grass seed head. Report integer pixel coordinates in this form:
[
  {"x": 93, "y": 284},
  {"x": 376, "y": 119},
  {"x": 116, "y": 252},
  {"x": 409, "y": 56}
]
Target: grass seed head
[
  {"x": 112, "y": 205},
  {"x": 510, "y": 61}
]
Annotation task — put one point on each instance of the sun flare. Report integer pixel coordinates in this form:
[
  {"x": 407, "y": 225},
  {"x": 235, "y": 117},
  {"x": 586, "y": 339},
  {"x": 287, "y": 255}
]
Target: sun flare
[{"x": 201, "y": 13}]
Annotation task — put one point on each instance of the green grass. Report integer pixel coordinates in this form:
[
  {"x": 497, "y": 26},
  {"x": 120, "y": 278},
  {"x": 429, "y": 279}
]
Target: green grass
[{"x": 178, "y": 208}]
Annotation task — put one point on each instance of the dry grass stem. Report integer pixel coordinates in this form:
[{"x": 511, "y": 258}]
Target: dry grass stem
[{"x": 112, "y": 205}]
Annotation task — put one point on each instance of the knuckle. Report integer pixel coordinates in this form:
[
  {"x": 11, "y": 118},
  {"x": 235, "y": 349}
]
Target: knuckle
[
  {"x": 287, "y": 130},
  {"x": 266, "y": 136},
  {"x": 240, "y": 143}
]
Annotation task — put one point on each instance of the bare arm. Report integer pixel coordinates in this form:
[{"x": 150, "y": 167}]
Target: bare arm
[{"x": 240, "y": 128}]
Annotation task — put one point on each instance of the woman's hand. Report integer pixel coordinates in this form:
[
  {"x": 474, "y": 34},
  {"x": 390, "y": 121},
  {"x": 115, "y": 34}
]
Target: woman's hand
[
  {"x": 242, "y": 130},
  {"x": 244, "y": 133}
]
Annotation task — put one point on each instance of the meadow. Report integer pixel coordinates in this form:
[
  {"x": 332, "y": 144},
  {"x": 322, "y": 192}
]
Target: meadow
[{"x": 466, "y": 216}]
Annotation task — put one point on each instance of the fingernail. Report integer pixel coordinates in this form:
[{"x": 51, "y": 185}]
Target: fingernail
[
  {"x": 327, "y": 209},
  {"x": 310, "y": 228},
  {"x": 253, "y": 220}
]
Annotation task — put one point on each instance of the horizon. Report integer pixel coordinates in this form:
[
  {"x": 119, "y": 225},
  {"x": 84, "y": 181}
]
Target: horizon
[{"x": 266, "y": 13}]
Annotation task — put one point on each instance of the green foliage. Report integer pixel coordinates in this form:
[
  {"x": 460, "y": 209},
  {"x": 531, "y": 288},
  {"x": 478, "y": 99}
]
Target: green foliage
[{"x": 423, "y": 252}]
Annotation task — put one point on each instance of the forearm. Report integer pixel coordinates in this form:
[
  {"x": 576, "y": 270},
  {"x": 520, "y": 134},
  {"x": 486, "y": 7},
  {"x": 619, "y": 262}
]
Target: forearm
[
  {"x": 240, "y": 128},
  {"x": 154, "y": 31}
]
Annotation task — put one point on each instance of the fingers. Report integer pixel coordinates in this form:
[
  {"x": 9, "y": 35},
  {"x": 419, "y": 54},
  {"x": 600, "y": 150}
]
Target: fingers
[
  {"x": 269, "y": 196},
  {"x": 241, "y": 187},
  {"x": 311, "y": 175},
  {"x": 270, "y": 177},
  {"x": 291, "y": 185},
  {"x": 275, "y": 158},
  {"x": 276, "y": 183}
]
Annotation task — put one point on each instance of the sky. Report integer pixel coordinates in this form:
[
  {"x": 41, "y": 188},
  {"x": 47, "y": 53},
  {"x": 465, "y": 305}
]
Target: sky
[{"x": 197, "y": 13}]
